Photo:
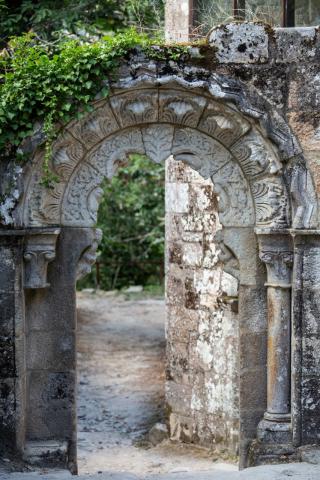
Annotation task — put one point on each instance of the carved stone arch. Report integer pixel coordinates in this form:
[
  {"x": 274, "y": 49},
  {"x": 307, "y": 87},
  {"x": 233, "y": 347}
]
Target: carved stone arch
[
  {"x": 192, "y": 123},
  {"x": 223, "y": 131}
]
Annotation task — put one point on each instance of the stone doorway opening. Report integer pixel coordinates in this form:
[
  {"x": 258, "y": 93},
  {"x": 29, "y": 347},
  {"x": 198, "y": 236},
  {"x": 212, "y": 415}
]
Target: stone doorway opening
[
  {"x": 121, "y": 324},
  {"x": 122, "y": 415}
]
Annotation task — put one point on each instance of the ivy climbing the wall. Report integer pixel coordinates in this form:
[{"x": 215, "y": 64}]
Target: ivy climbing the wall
[{"x": 50, "y": 85}]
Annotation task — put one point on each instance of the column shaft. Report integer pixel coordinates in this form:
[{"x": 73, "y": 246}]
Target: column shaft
[{"x": 278, "y": 399}]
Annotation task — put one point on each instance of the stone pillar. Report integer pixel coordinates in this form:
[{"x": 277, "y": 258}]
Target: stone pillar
[
  {"x": 52, "y": 264},
  {"x": 276, "y": 253},
  {"x": 252, "y": 336}
]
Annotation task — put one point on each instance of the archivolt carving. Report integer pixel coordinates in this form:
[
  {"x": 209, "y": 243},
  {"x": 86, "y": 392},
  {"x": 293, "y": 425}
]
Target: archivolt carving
[
  {"x": 200, "y": 151},
  {"x": 82, "y": 196},
  {"x": 116, "y": 149},
  {"x": 95, "y": 126},
  {"x": 134, "y": 109},
  {"x": 157, "y": 140},
  {"x": 235, "y": 203},
  {"x": 66, "y": 154},
  {"x": 254, "y": 156},
  {"x": 226, "y": 125},
  {"x": 180, "y": 108},
  {"x": 271, "y": 202},
  {"x": 215, "y": 139}
]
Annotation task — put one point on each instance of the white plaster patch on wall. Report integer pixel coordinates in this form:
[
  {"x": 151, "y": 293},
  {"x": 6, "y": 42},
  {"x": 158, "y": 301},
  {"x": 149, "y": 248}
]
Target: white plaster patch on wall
[
  {"x": 204, "y": 350},
  {"x": 11, "y": 199},
  {"x": 177, "y": 197},
  {"x": 220, "y": 397},
  {"x": 196, "y": 403},
  {"x": 192, "y": 254}
]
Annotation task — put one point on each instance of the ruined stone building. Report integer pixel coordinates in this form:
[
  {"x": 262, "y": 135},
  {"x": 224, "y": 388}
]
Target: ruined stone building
[{"x": 238, "y": 121}]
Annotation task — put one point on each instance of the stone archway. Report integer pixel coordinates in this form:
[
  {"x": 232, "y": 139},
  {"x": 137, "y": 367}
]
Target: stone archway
[{"x": 264, "y": 190}]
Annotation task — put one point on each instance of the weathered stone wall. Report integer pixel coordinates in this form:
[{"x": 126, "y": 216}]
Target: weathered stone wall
[
  {"x": 202, "y": 322},
  {"x": 202, "y": 388},
  {"x": 225, "y": 111}
]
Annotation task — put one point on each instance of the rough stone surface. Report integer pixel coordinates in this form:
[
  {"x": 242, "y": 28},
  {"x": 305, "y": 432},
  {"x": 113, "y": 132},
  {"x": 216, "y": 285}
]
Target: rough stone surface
[
  {"x": 240, "y": 43},
  {"x": 245, "y": 117},
  {"x": 202, "y": 322}
]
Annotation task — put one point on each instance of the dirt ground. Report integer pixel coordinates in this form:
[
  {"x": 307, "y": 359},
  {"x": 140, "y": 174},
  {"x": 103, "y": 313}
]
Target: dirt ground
[{"x": 121, "y": 349}]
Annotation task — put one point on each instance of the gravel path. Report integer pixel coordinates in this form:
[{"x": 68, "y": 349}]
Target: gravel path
[
  {"x": 121, "y": 347},
  {"x": 121, "y": 389}
]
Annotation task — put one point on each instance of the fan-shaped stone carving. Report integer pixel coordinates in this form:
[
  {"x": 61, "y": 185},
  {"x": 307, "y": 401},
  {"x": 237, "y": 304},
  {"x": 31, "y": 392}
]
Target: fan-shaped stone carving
[{"x": 176, "y": 118}]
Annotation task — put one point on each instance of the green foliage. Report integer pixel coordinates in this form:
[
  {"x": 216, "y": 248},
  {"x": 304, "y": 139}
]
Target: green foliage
[
  {"x": 50, "y": 19},
  {"x": 131, "y": 217},
  {"x": 53, "y": 85}
]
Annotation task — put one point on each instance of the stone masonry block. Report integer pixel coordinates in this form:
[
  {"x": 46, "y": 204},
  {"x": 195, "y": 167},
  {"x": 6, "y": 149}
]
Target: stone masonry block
[
  {"x": 51, "y": 350},
  {"x": 178, "y": 397},
  {"x": 192, "y": 254},
  {"x": 7, "y": 313},
  {"x": 203, "y": 198},
  {"x": 178, "y": 368},
  {"x": 240, "y": 43},
  {"x": 7, "y": 356},
  {"x": 295, "y": 44},
  {"x": 50, "y": 405}
]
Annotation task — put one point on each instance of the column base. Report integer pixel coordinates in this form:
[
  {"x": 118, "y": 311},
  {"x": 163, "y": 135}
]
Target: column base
[
  {"x": 274, "y": 441},
  {"x": 269, "y": 454},
  {"x": 275, "y": 429},
  {"x": 46, "y": 454}
]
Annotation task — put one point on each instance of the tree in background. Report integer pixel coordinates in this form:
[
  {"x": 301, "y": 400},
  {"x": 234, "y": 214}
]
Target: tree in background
[
  {"x": 131, "y": 216},
  {"x": 53, "y": 19}
]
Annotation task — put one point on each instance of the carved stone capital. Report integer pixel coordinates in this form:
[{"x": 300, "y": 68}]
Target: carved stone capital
[
  {"x": 39, "y": 251},
  {"x": 89, "y": 255},
  {"x": 277, "y": 254}
]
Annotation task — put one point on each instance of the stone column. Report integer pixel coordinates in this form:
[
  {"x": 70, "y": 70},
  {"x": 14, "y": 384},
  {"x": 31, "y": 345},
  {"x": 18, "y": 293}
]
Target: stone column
[{"x": 276, "y": 253}]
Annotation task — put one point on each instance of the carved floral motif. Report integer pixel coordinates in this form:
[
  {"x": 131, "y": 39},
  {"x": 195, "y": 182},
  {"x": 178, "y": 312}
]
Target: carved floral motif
[
  {"x": 95, "y": 126},
  {"x": 66, "y": 154},
  {"x": 116, "y": 149},
  {"x": 254, "y": 155},
  {"x": 222, "y": 123},
  {"x": 81, "y": 200},
  {"x": 271, "y": 202},
  {"x": 132, "y": 108},
  {"x": 182, "y": 108},
  {"x": 157, "y": 140}
]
